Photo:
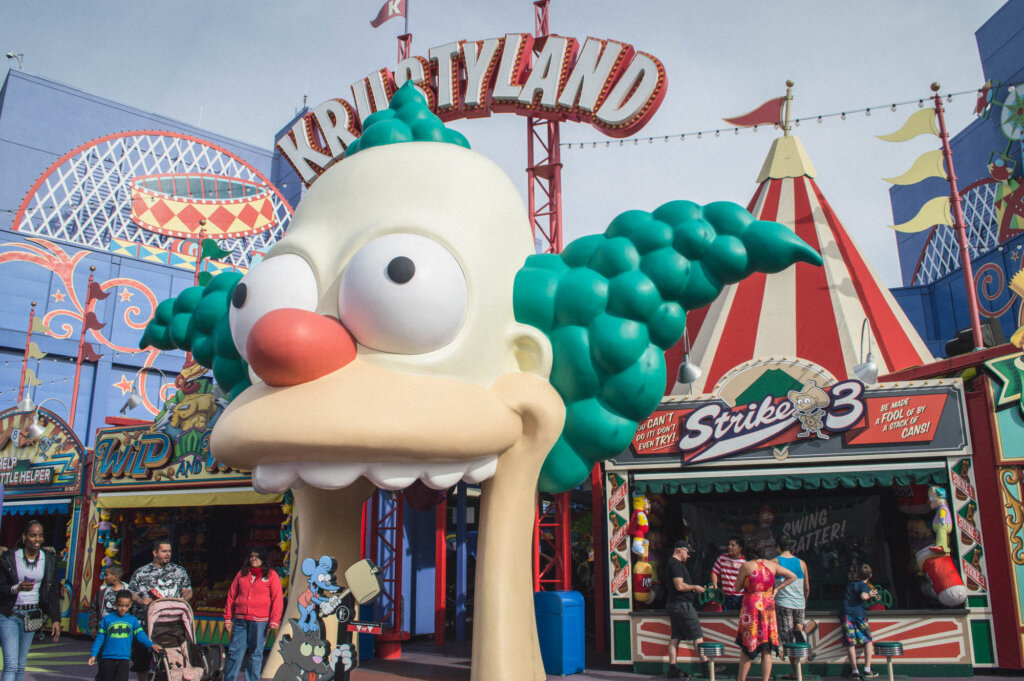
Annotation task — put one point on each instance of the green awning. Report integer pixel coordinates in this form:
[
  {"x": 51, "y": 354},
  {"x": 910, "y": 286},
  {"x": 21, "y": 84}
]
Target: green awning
[{"x": 804, "y": 478}]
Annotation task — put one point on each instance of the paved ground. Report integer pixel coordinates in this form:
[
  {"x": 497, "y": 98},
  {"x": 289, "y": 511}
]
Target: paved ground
[{"x": 66, "y": 661}]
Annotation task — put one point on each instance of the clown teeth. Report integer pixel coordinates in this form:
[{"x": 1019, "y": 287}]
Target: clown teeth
[
  {"x": 277, "y": 477},
  {"x": 326, "y": 475},
  {"x": 272, "y": 478},
  {"x": 443, "y": 475},
  {"x": 393, "y": 475},
  {"x": 481, "y": 470}
]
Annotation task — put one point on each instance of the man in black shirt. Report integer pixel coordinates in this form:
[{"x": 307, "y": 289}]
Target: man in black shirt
[{"x": 681, "y": 611}]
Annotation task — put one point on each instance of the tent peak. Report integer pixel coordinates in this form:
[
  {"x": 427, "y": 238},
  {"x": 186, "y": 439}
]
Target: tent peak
[{"x": 786, "y": 158}]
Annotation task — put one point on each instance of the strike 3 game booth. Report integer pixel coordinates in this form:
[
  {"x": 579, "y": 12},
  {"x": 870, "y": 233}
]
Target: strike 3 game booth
[
  {"x": 159, "y": 480},
  {"x": 41, "y": 477},
  {"x": 845, "y": 470}
]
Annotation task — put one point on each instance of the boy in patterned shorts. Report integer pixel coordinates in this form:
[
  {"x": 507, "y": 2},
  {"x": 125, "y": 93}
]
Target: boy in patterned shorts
[{"x": 854, "y": 620}]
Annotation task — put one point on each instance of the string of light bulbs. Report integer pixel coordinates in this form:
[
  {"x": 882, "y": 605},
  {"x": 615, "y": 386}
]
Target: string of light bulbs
[{"x": 717, "y": 132}]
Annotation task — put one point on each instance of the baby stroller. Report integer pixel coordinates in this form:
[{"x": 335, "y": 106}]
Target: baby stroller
[{"x": 169, "y": 622}]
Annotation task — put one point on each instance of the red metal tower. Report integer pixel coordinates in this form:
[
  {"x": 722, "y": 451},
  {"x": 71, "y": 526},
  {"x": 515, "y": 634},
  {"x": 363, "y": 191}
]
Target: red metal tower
[
  {"x": 544, "y": 162},
  {"x": 386, "y": 517},
  {"x": 552, "y": 546}
]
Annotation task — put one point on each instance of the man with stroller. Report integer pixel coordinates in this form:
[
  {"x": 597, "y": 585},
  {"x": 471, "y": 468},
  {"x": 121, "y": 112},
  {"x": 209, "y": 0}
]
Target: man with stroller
[{"x": 159, "y": 579}]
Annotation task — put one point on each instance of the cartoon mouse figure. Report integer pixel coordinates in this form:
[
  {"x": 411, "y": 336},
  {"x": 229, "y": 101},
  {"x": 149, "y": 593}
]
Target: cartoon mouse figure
[
  {"x": 322, "y": 585},
  {"x": 809, "y": 405}
]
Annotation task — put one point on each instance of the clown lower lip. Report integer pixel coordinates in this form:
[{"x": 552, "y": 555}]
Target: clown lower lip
[{"x": 277, "y": 477}]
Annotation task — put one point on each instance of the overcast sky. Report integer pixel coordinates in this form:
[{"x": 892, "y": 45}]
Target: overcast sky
[{"x": 242, "y": 68}]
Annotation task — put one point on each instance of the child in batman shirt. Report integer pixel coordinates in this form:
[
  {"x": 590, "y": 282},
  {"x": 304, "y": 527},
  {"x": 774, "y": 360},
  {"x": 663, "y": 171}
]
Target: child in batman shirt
[{"x": 113, "y": 644}]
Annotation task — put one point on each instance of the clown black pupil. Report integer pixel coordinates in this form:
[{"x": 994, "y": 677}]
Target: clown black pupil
[
  {"x": 238, "y": 297},
  {"x": 401, "y": 269}
]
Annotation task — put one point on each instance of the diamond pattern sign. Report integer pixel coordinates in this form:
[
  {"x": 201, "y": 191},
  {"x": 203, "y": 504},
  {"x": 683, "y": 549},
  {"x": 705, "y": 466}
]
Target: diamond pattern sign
[{"x": 184, "y": 216}]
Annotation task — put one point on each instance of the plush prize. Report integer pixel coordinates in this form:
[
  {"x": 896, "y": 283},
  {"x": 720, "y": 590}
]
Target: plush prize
[
  {"x": 942, "y": 521},
  {"x": 638, "y": 525},
  {"x": 942, "y": 576}
]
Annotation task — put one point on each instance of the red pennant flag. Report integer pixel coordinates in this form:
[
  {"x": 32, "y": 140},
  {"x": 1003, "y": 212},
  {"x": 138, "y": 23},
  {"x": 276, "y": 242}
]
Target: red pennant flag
[
  {"x": 96, "y": 293},
  {"x": 769, "y": 113},
  {"x": 92, "y": 323},
  {"x": 982, "y": 102},
  {"x": 390, "y": 10},
  {"x": 89, "y": 353}
]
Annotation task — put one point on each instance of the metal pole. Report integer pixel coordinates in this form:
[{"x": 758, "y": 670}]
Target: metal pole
[
  {"x": 597, "y": 526},
  {"x": 28, "y": 340},
  {"x": 461, "y": 557},
  {"x": 789, "y": 100},
  {"x": 958, "y": 222},
  {"x": 81, "y": 344},
  {"x": 405, "y": 40},
  {"x": 440, "y": 569},
  {"x": 195, "y": 278}
]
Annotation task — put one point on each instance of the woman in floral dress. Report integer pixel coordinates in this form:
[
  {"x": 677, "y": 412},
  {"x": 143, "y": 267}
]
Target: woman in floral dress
[{"x": 758, "y": 633}]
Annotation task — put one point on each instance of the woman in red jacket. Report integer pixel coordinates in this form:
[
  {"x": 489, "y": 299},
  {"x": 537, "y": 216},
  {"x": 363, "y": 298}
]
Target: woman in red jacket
[{"x": 254, "y": 602}]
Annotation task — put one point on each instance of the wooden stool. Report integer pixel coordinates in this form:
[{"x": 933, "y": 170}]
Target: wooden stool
[
  {"x": 797, "y": 652},
  {"x": 889, "y": 650},
  {"x": 711, "y": 651}
]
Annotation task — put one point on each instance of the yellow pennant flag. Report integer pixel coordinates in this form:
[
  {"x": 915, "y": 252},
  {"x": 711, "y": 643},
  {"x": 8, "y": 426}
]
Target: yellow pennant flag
[
  {"x": 1017, "y": 339},
  {"x": 1017, "y": 283},
  {"x": 38, "y": 326},
  {"x": 920, "y": 123},
  {"x": 935, "y": 212},
  {"x": 34, "y": 352},
  {"x": 927, "y": 165},
  {"x": 30, "y": 378}
]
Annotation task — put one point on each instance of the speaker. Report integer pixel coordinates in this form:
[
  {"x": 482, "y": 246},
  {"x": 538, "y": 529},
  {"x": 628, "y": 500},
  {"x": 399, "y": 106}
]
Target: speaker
[{"x": 963, "y": 342}]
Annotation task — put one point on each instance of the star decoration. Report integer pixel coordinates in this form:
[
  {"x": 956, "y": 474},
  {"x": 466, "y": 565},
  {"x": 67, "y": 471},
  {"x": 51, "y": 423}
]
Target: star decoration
[
  {"x": 58, "y": 296},
  {"x": 1014, "y": 256},
  {"x": 124, "y": 384},
  {"x": 125, "y": 296}
]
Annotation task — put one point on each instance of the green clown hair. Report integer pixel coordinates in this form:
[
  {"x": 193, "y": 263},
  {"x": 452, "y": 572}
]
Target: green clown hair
[
  {"x": 407, "y": 119},
  {"x": 612, "y": 303},
  {"x": 197, "y": 322}
]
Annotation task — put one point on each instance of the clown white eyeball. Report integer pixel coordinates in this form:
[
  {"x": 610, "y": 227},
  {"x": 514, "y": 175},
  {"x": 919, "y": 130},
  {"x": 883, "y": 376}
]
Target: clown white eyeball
[
  {"x": 284, "y": 281},
  {"x": 403, "y": 293}
]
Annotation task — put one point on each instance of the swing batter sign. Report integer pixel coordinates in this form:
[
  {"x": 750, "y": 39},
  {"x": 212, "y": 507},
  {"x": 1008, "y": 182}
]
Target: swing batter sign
[{"x": 605, "y": 83}]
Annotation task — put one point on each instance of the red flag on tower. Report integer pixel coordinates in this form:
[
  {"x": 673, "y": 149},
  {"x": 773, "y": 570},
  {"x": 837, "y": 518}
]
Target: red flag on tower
[
  {"x": 91, "y": 322},
  {"x": 96, "y": 292},
  {"x": 89, "y": 353},
  {"x": 390, "y": 10},
  {"x": 769, "y": 113}
]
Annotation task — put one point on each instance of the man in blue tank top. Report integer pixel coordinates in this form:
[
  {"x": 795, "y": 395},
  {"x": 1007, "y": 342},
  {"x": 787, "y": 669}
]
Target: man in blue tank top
[{"x": 791, "y": 601}]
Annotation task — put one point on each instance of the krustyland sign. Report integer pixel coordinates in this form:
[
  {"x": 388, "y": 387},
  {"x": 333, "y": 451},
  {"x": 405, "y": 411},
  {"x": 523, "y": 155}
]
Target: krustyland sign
[
  {"x": 812, "y": 422},
  {"x": 606, "y": 83}
]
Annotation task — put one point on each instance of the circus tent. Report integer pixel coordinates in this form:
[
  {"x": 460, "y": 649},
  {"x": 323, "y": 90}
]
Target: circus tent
[{"x": 812, "y": 313}]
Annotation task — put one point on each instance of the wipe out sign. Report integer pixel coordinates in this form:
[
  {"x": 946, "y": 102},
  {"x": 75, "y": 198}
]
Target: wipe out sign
[{"x": 605, "y": 83}]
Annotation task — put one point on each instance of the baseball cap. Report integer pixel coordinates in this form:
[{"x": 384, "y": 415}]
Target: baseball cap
[{"x": 682, "y": 544}]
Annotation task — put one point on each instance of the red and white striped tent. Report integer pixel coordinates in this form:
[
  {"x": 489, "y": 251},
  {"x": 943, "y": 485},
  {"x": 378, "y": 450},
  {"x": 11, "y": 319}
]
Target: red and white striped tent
[{"x": 806, "y": 312}]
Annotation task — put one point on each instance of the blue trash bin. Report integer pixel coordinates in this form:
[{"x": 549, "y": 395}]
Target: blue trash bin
[{"x": 560, "y": 627}]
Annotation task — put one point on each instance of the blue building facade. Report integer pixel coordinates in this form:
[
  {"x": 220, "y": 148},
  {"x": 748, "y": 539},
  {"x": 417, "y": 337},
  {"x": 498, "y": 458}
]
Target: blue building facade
[
  {"x": 103, "y": 208},
  {"x": 70, "y": 211},
  {"x": 988, "y": 164},
  {"x": 92, "y": 190}
]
